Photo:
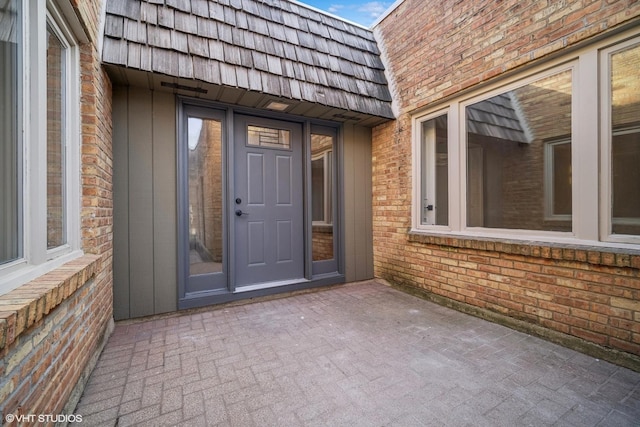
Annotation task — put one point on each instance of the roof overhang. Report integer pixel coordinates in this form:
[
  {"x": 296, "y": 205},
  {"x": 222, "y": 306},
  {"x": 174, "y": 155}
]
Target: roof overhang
[
  {"x": 235, "y": 96},
  {"x": 249, "y": 54}
]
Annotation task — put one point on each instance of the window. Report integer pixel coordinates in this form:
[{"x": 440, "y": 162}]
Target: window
[
  {"x": 10, "y": 144},
  {"x": 323, "y": 196},
  {"x": 206, "y": 191},
  {"x": 505, "y": 137},
  {"x": 268, "y": 137},
  {"x": 39, "y": 146},
  {"x": 56, "y": 208},
  {"x": 321, "y": 186},
  {"x": 621, "y": 128},
  {"x": 625, "y": 182},
  {"x": 520, "y": 158},
  {"x": 557, "y": 180},
  {"x": 434, "y": 207}
]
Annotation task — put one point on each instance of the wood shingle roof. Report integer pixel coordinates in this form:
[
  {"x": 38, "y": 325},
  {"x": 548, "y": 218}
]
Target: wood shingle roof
[{"x": 274, "y": 47}]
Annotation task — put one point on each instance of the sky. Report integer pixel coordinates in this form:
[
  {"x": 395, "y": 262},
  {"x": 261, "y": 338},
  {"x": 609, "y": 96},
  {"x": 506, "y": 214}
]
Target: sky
[{"x": 359, "y": 11}]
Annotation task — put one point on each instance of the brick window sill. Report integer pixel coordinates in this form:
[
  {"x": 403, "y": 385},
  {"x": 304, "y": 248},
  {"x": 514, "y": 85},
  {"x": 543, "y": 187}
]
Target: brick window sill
[
  {"x": 596, "y": 255},
  {"x": 26, "y": 305}
]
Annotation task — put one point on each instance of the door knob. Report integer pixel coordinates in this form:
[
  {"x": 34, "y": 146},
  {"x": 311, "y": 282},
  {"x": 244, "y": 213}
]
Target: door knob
[{"x": 240, "y": 213}]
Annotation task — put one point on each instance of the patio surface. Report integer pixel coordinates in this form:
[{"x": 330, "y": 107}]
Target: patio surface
[{"x": 362, "y": 354}]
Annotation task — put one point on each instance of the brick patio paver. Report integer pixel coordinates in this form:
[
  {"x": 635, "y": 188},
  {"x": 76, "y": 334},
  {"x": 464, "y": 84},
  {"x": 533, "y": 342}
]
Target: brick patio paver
[{"x": 356, "y": 355}]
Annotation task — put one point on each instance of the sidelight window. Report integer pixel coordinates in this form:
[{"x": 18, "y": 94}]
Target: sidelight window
[
  {"x": 205, "y": 195},
  {"x": 323, "y": 199}
]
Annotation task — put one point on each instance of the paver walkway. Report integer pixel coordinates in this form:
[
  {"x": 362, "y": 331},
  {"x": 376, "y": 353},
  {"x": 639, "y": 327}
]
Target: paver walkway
[{"x": 357, "y": 355}]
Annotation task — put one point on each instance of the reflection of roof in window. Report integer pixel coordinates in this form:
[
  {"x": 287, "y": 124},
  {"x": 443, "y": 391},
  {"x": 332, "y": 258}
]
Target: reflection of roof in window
[{"x": 498, "y": 117}]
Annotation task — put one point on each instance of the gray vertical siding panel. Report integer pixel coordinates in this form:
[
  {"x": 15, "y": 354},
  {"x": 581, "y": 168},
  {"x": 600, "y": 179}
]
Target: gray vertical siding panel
[
  {"x": 164, "y": 203},
  {"x": 141, "y": 203},
  {"x": 349, "y": 204},
  {"x": 362, "y": 182},
  {"x": 365, "y": 266},
  {"x": 358, "y": 204},
  {"x": 120, "y": 204}
]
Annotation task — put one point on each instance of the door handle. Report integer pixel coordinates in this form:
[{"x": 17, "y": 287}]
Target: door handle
[{"x": 240, "y": 213}]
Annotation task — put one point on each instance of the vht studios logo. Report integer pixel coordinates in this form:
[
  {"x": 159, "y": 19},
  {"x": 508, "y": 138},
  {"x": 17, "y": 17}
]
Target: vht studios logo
[{"x": 43, "y": 418}]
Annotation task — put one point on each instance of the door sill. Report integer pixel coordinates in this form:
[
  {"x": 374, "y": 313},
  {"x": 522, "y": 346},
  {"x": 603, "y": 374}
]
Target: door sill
[{"x": 267, "y": 285}]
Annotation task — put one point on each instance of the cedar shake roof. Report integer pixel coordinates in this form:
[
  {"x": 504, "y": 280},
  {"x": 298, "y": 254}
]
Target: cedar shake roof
[{"x": 273, "y": 47}]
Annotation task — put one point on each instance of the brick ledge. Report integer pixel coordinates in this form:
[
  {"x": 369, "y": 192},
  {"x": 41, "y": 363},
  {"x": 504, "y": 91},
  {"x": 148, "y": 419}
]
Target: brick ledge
[
  {"x": 26, "y": 305},
  {"x": 597, "y": 255}
]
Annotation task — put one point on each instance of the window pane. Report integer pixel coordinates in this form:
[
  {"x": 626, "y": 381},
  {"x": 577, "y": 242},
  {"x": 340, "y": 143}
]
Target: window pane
[
  {"x": 561, "y": 179},
  {"x": 434, "y": 207},
  {"x": 267, "y": 137},
  {"x": 506, "y": 138},
  {"x": 317, "y": 189},
  {"x": 322, "y": 196},
  {"x": 625, "y": 142},
  {"x": 558, "y": 181},
  {"x": 56, "y": 234},
  {"x": 205, "y": 196},
  {"x": 10, "y": 146}
]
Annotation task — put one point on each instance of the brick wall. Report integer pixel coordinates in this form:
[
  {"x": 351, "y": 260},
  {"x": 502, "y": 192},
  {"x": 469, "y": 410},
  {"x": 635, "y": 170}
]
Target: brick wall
[
  {"x": 53, "y": 328},
  {"x": 47, "y": 343},
  {"x": 433, "y": 50}
]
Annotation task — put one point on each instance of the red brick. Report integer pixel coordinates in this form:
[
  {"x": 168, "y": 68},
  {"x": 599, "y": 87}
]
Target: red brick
[
  {"x": 631, "y": 347},
  {"x": 597, "y": 338},
  {"x": 571, "y": 320}
]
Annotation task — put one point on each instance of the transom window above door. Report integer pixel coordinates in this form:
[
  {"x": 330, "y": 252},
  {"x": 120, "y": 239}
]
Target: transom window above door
[{"x": 268, "y": 137}]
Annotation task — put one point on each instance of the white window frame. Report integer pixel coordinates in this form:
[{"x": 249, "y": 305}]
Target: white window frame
[
  {"x": 37, "y": 259},
  {"x": 607, "y": 132},
  {"x": 328, "y": 186},
  {"x": 424, "y": 165},
  {"x": 549, "y": 177},
  {"x": 589, "y": 212}
]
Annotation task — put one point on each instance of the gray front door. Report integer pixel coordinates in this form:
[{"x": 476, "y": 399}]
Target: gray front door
[{"x": 268, "y": 201}]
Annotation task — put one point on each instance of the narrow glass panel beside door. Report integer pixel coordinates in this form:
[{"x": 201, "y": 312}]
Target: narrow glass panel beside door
[
  {"x": 325, "y": 239},
  {"x": 322, "y": 196},
  {"x": 205, "y": 196}
]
